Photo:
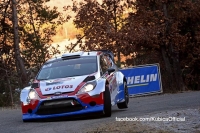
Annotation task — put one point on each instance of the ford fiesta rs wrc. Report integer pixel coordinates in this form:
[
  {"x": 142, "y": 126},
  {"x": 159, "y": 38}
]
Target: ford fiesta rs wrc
[{"x": 75, "y": 84}]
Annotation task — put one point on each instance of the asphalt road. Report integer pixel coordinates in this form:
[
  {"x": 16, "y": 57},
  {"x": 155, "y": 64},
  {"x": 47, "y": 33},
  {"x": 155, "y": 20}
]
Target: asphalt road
[{"x": 10, "y": 120}]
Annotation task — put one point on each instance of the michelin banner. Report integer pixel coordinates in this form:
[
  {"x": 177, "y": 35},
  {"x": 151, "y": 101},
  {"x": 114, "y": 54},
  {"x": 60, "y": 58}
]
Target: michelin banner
[{"x": 143, "y": 79}]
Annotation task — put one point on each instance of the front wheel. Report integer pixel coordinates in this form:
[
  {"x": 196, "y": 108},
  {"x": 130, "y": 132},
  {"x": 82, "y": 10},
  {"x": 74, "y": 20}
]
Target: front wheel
[
  {"x": 107, "y": 103},
  {"x": 126, "y": 95}
]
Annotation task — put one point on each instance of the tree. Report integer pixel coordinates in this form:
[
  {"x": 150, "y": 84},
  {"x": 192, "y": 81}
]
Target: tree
[
  {"x": 37, "y": 28},
  {"x": 160, "y": 26},
  {"x": 101, "y": 24},
  {"x": 150, "y": 31},
  {"x": 31, "y": 47},
  {"x": 19, "y": 62}
]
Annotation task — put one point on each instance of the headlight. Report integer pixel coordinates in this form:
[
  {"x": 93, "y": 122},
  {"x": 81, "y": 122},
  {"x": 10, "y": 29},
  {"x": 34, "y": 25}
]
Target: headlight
[
  {"x": 88, "y": 87},
  {"x": 33, "y": 95}
]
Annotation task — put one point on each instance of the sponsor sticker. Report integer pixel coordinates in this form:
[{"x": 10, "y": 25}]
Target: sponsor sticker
[
  {"x": 59, "y": 87},
  {"x": 53, "y": 83},
  {"x": 62, "y": 79},
  {"x": 61, "y": 96}
]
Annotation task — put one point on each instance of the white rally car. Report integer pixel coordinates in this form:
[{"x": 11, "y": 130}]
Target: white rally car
[{"x": 73, "y": 84}]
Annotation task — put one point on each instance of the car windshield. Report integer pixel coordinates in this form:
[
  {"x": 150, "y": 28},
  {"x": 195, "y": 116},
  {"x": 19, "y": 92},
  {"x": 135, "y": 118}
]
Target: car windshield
[{"x": 68, "y": 68}]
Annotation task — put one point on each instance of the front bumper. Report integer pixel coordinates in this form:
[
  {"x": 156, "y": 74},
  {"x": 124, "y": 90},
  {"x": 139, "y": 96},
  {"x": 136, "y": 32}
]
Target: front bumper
[
  {"x": 97, "y": 108},
  {"x": 60, "y": 107}
]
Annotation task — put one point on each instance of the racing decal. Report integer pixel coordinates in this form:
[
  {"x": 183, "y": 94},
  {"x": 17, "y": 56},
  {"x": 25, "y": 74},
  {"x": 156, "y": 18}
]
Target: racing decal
[
  {"x": 60, "y": 80},
  {"x": 62, "y": 85},
  {"x": 53, "y": 83},
  {"x": 113, "y": 85},
  {"x": 59, "y": 87},
  {"x": 111, "y": 88},
  {"x": 61, "y": 96},
  {"x": 109, "y": 78},
  {"x": 56, "y": 97}
]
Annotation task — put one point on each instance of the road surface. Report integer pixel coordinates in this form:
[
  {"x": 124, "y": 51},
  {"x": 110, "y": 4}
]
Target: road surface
[{"x": 11, "y": 122}]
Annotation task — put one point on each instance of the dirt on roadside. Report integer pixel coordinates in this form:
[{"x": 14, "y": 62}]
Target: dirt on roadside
[{"x": 180, "y": 121}]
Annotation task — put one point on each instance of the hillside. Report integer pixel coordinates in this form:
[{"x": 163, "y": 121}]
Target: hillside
[{"x": 67, "y": 30}]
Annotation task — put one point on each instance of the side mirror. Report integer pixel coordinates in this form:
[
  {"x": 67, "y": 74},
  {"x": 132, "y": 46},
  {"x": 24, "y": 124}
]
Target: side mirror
[{"x": 110, "y": 70}]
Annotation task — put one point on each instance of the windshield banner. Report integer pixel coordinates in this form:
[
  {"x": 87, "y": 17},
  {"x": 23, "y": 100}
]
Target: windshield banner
[{"x": 143, "y": 79}]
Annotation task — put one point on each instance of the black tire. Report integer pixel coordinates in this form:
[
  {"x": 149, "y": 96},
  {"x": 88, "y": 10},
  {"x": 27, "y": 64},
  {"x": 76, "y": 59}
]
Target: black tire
[
  {"x": 107, "y": 103},
  {"x": 125, "y": 103}
]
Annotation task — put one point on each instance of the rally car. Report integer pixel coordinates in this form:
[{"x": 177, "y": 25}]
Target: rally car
[{"x": 75, "y": 84}]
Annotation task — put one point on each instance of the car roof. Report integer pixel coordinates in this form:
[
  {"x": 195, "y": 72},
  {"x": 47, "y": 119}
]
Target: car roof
[
  {"x": 80, "y": 54},
  {"x": 73, "y": 55}
]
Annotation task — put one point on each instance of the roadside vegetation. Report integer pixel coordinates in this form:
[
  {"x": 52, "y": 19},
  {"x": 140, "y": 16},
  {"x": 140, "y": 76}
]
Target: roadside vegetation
[{"x": 137, "y": 31}]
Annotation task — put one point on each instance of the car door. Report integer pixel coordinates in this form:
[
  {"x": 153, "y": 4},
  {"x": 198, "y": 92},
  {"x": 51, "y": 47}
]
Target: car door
[{"x": 106, "y": 64}]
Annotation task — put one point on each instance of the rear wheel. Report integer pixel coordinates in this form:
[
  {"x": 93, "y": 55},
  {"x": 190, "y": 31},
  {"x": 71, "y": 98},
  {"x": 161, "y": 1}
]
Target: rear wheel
[
  {"x": 125, "y": 103},
  {"x": 107, "y": 103}
]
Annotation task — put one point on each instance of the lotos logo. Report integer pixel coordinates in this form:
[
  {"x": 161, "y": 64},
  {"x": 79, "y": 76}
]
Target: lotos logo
[{"x": 59, "y": 87}]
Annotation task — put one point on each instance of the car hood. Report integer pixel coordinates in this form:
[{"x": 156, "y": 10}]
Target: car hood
[{"x": 60, "y": 85}]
